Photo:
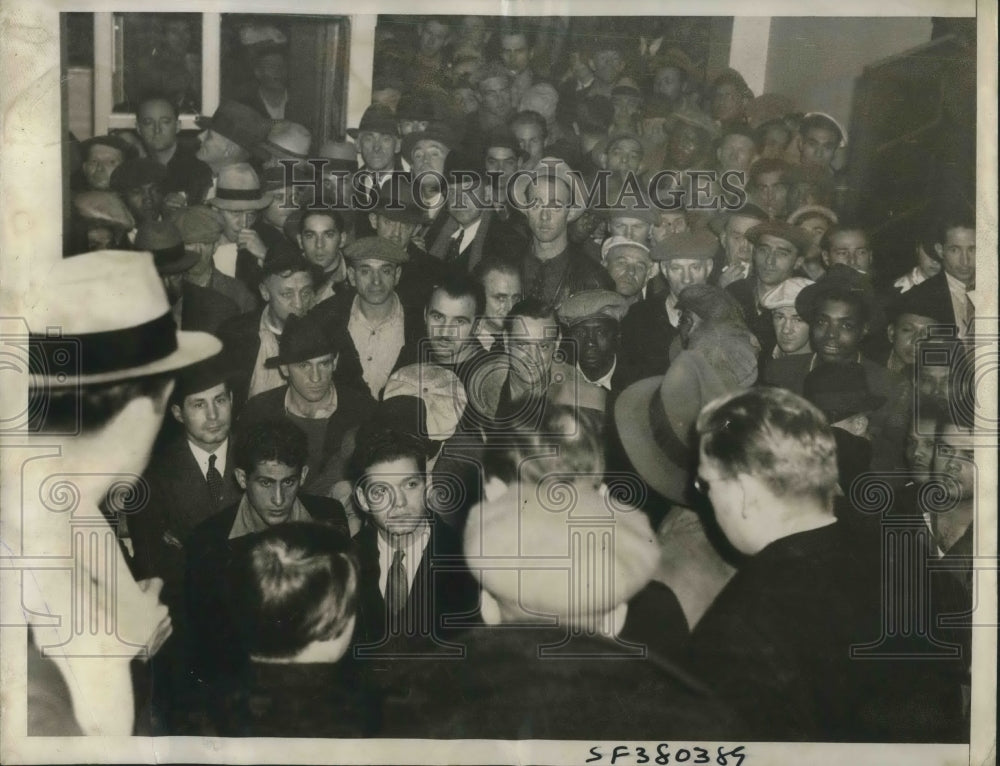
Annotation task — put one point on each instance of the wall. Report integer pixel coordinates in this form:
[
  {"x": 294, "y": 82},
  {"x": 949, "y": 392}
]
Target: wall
[{"x": 815, "y": 60}]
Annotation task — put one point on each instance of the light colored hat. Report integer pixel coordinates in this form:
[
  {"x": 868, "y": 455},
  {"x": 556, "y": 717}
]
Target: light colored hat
[
  {"x": 612, "y": 242},
  {"x": 340, "y": 155},
  {"x": 835, "y": 121},
  {"x": 103, "y": 207},
  {"x": 592, "y": 304},
  {"x": 289, "y": 140},
  {"x": 110, "y": 307},
  {"x": 534, "y": 532},
  {"x": 238, "y": 188},
  {"x": 784, "y": 294},
  {"x": 550, "y": 167},
  {"x": 441, "y": 391},
  {"x": 807, "y": 210}
]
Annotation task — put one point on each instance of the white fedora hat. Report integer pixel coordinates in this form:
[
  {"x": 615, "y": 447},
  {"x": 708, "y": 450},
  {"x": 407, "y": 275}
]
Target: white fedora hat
[
  {"x": 238, "y": 188},
  {"x": 109, "y": 308}
]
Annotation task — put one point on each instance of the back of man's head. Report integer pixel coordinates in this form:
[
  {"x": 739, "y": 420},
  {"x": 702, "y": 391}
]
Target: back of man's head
[
  {"x": 775, "y": 436},
  {"x": 295, "y": 588}
]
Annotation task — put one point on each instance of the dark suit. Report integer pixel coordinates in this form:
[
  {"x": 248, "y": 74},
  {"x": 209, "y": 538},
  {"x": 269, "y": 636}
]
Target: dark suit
[
  {"x": 204, "y": 309},
  {"x": 178, "y": 502},
  {"x": 646, "y": 337},
  {"x": 435, "y": 593},
  {"x": 758, "y": 320},
  {"x": 187, "y": 174},
  {"x": 934, "y": 294},
  {"x": 558, "y": 278},
  {"x": 241, "y": 340},
  {"x": 493, "y": 238}
]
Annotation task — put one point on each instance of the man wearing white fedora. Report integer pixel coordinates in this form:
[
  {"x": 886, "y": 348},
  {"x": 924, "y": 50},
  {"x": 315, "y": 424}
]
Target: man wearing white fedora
[{"x": 104, "y": 350}]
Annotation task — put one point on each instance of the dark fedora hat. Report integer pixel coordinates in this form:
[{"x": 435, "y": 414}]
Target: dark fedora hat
[
  {"x": 239, "y": 123},
  {"x": 202, "y": 376},
  {"x": 840, "y": 281},
  {"x": 302, "y": 339},
  {"x": 377, "y": 118},
  {"x": 398, "y": 204},
  {"x": 440, "y": 132},
  {"x": 797, "y": 237},
  {"x": 840, "y": 390}
]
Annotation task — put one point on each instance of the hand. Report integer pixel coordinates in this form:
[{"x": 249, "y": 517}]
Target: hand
[
  {"x": 250, "y": 240},
  {"x": 174, "y": 201},
  {"x": 159, "y": 618}
]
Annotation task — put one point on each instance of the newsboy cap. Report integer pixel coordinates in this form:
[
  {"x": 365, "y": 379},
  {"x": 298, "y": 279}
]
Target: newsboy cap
[
  {"x": 376, "y": 248},
  {"x": 197, "y": 224},
  {"x": 592, "y": 304}
]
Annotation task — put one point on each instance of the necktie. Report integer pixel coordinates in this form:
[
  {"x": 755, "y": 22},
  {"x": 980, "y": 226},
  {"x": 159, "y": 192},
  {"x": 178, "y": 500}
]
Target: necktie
[
  {"x": 214, "y": 481},
  {"x": 397, "y": 585},
  {"x": 455, "y": 246}
]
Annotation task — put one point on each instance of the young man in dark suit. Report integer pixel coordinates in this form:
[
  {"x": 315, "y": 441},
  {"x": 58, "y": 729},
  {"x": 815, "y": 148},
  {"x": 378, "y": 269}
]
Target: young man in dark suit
[
  {"x": 190, "y": 479},
  {"x": 402, "y": 600}
]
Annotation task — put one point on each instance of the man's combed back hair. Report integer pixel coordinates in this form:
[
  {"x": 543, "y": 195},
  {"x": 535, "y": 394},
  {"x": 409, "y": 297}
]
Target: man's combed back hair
[
  {"x": 570, "y": 441},
  {"x": 277, "y": 440},
  {"x": 85, "y": 409},
  {"x": 501, "y": 264},
  {"x": 775, "y": 436},
  {"x": 377, "y": 444},
  {"x": 529, "y": 308},
  {"x": 954, "y": 219},
  {"x": 292, "y": 584}
]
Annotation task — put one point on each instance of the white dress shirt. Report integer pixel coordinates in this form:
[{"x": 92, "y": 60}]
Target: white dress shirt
[
  {"x": 201, "y": 457},
  {"x": 414, "y": 547}
]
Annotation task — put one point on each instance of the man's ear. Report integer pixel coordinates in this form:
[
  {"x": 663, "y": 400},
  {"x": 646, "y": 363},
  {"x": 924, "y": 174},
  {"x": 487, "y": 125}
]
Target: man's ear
[
  {"x": 398, "y": 145},
  {"x": 399, "y": 273},
  {"x": 283, "y": 369},
  {"x": 336, "y": 358},
  {"x": 602, "y": 160},
  {"x": 798, "y": 263},
  {"x": 359, "y": 498},
  {"x": 825, "y": 256},
  {"x": 865, "y": 329},
  {"x": 265, "y": 294},
  {"x": 890, "y": 331},
  {"x": 176, "y": 412},
  {"x": 373, "y": 221},
  {"x": 241, "y": 478},
  {"x": 302, "y": 475},
  {"x": 352, "y": 275},
  {"x": 298, "y": 238},
  {"x": 653, "y": 271},
  {"x": 939, "y": 249}
]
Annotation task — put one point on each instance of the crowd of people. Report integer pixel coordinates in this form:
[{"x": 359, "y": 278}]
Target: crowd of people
[{"x": 468, "y": 450}]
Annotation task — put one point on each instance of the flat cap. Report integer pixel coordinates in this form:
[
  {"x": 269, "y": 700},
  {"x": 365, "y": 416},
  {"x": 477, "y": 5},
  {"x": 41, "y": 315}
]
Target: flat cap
[
  {"x": 197, "y": 223},
  {"x": 613, "y": 242},
  {"x": 696, "y": 245},
  {"x": 784, "y": 294},
  {"x": 592, "y": 304},
  {"x": 376, "y": 248},
  {"x": 799, "y": 238}
]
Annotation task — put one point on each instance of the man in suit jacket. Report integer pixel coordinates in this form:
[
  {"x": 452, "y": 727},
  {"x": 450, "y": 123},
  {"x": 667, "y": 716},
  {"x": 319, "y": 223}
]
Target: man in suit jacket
[
  {"x": 288, "y": 287},
  {"x": 190, "y": 479},
  {"x": 473, "y": 229},
  {"x": 403, "y": 599},
  {"x": 270, "y": 466}
]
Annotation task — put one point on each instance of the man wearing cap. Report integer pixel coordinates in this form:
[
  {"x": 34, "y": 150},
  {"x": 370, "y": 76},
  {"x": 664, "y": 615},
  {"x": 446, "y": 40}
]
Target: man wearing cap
[
  {"x": 188, "y": 178},
  {"x": 85, "y": 682},
  {"x": 200, "y": 230},
  {"x": 630, "y": 265},
  {"x": 554, "y": 621},
  {"x": 789, "y": 362},
  {"x": 396, "y": 219},
  {"x": 189, "y": 478},
  {"x": 651, "y": 325},
  {"x": 101, "y": 155},
  {"x": 372, "y": 328},
  {"x": 778, "y": 249},
  {"x": 287, "y": 140},
  {"x": 552, "y": 269},
  {"x": 820, "y": 136},
  {"x": 194, "y": 307},
  {"x": 232, "y": 135},
  {"x": 622, "y": 158},
  {"x": 426, "y": 151},
  {"x": 909, "y": 323},
  {"x": 288, "y": 286},
  {"x": 310, "y": 399},
  {"x": 592, "y": 319},
  {"x": 768, "y": 466},
  {"x": 239, "y": 200},
  {"x": 607, "y": 62},
  {"x": 955, "y": 286},
  {"x": 141, "y": 183},
  {"x": 731, "y": 228},
  {"x": 100, "y": 221}
]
